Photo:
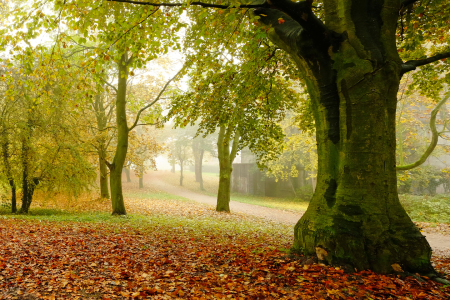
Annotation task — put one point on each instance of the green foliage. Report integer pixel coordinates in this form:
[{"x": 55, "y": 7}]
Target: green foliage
[
  {"x": 305, "y": 192},
  {"x": 423, "y": 180},
  {"x": 427, "y": 209},
  {"x": 423, "y": 32}
]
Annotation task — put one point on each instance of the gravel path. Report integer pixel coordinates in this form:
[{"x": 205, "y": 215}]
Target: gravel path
[{"x": 437, "y": 241}]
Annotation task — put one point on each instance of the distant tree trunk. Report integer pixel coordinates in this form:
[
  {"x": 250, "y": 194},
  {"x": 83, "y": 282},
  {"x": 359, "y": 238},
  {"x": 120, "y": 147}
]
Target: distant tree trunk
[
  {"x": 226, "y": 159},
  {"x": 116, "y": 166},
  {"x": 5, "y": 155},
  {"x": 141, "y": 177},
  {"x": 181, "y": 174},
  {"x": 198, "y": 151},
  {"x": 101, "y": 124},
  {"x": 104, "y": 190},
  {"x": 127, "y": 173},
  {"x": 173, "y": 167}
]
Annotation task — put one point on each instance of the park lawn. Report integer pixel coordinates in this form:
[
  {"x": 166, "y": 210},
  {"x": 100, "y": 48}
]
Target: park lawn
[
  {"x": 169, "y": 247},
  {"x": 211, "y": 185}
]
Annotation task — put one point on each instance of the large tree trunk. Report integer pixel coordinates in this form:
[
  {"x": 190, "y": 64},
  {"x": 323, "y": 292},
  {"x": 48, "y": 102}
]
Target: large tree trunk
[
  {"x": 352, "y": 71},
  {"x": 355, "y": 214},
  {"x": 226, "y": 158},
  {"x": 116, "y": 166}
]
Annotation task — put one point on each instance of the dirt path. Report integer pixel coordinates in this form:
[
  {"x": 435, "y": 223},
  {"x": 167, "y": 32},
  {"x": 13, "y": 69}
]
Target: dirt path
[
  {"x": 271, "y": 214},
  {"x": 437, "y": 241}
]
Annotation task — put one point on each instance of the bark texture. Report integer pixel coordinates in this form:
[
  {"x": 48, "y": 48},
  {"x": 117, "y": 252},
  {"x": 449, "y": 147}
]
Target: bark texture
[
  {"x": 352, "y": 71},
  {"x": 226, "y": 158}
]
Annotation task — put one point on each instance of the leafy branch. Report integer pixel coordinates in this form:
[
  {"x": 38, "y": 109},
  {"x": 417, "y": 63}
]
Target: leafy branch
[{"x": 406, "y": 3}]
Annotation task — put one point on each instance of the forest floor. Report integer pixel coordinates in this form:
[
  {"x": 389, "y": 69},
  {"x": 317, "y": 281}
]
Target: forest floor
[{"x": 169, "y": 247}]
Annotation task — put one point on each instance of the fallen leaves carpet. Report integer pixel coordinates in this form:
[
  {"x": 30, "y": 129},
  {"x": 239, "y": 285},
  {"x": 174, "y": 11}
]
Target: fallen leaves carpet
[{"x": 69, "y": 260}]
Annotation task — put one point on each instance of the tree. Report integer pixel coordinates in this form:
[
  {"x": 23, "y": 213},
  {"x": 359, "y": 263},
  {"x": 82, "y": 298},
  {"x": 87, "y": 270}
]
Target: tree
[
  {"x": 200, "y": 145},
  {"x": 299, "y": 155},
  {"x": 40, "y": 146},
  {"x": 179, "y": 144},
  {"x": 244, "y": 102}
]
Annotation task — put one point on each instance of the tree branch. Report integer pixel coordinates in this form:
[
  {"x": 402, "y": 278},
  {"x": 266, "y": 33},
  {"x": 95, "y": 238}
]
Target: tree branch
[
  {"x": 145, "y": 124},
  {"x": 405, "y": 3},
  {"x": 156, "y": 99},
  {"x": 196, "y": 3},
  {"x": 234, "y": 147},
  {"x": 434, "y": 138},
  {"x": 411, "y": 65}
]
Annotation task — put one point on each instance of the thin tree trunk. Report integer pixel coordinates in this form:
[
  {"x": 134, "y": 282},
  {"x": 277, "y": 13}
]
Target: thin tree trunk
[
  {"x": 13, "y": 196},
  {"x": 104, "y": 190},
  {"x": 226, "y": 159},
  {"x": 116, "y": 166},
  {"x": 5, "y": 155},
  {"x": 181, "y": 173},
  {"x": 127, "y": 173},
  {"x": 173, "y": 168},
  {"x": 141, "y": 177},
  {"x": 200, "y": 170},
  {"x": 25, "y": 179},
  {"x": 101, "y": 124}
]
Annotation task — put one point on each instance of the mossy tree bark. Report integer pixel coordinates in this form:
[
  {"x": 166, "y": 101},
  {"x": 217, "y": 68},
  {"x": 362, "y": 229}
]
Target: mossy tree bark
[
  {"x": 226, "y": 158},
  {"x": 352, "y": 71},
  {"x": 118, "y": 162}
]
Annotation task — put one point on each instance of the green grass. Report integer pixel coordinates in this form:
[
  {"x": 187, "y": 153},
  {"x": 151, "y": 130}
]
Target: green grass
[
  {"x": 205, "y": 222},
  {"x": 272, "y": 202},
  {"x": 434, "y": 209},
  {"x": 211, "y": 183},
  {"x": 154, "y": 195}
]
